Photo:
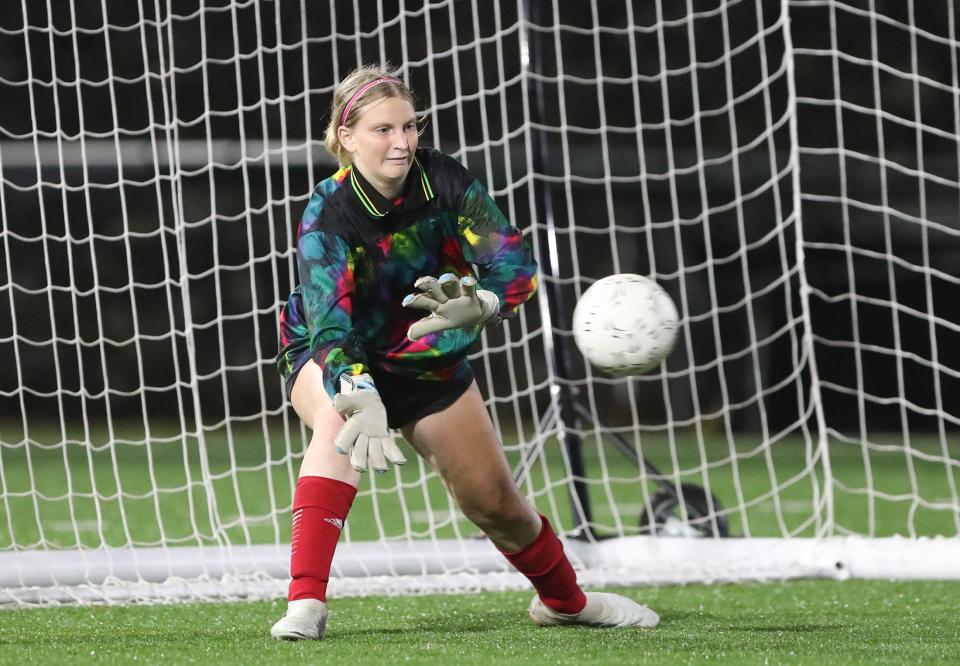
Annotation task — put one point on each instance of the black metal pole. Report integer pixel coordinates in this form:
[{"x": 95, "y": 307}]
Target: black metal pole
[{"x": 550, "y": 269}]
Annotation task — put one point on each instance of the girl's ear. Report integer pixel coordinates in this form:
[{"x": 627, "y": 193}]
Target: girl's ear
[{"x": 346, "y": 138}]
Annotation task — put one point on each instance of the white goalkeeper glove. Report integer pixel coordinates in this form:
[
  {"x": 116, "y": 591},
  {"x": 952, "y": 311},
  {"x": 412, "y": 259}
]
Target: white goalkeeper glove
[
  {"x": 365, "y": 437},
  {"x": 452, "y": 303}
]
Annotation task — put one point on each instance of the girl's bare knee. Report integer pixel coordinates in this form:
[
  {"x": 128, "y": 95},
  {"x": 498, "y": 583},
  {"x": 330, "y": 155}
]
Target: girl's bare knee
[
  {"x": 315, "y": 408},
  {"x": 504, "y": 506}
]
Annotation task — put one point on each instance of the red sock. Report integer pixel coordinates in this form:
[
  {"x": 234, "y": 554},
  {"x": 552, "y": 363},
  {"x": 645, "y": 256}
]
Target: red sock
[
  {"x": 544, "y": 563},
  {"x": 320, "y": 506}
]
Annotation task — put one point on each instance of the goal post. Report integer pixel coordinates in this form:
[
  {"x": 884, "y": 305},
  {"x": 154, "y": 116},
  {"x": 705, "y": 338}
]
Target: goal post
[{"x": 789, "y": 172}]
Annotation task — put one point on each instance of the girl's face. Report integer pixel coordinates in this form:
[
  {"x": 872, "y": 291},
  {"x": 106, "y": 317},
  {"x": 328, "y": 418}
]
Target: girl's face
[{"x": 382, "y": 142}]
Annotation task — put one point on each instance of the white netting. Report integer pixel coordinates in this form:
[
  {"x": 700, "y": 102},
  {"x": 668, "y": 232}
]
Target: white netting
[{"x": 788, "y": 171}]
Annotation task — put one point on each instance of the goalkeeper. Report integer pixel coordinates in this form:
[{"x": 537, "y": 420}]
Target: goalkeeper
[{"x": 376, "y": 337}]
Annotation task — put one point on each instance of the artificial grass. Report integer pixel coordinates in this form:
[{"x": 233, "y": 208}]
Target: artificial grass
[{"x": 798, "y": 622}]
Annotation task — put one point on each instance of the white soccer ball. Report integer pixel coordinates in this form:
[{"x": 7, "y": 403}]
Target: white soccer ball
[{"x": 625, "y": 324}]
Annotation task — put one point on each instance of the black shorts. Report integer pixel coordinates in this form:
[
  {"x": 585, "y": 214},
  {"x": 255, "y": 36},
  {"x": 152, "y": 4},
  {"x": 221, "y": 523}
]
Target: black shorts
[{"x": 408, "y": 399}]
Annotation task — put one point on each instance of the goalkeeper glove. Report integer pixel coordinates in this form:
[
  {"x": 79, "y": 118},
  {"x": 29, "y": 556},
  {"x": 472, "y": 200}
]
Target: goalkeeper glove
[
  {"x": 452, "y": 303},
  {"x": 365, "y": 437}
]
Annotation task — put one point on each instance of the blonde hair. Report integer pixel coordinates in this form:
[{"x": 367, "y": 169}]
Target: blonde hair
[{"x": 350, "y": 86}]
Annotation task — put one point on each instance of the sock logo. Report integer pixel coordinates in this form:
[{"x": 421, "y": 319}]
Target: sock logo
[{"x": 336, "y": 522}]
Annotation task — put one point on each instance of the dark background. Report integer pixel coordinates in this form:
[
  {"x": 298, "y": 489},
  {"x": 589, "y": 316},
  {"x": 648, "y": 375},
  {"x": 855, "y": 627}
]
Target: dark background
[{"x": 148, "y": 224}]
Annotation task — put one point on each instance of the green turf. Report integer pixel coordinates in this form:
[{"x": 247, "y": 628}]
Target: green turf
[{"x": 802, "y": 622}]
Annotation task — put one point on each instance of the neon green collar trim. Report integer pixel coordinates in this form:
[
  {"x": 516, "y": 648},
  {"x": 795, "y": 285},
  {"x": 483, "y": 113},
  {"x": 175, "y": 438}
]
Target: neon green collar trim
[{"x": 369, "y": 202}]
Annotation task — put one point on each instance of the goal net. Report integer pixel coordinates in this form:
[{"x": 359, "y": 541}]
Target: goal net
[{"x": 789, "y": 172}]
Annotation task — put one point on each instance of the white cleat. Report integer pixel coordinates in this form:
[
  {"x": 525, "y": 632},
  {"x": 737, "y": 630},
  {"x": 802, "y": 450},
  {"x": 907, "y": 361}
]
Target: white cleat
[
  {"x": 305, "y": 619},
  {"x": 603, "y": 609}
]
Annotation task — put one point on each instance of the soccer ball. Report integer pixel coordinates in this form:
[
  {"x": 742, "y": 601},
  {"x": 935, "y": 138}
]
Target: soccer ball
[{"x": 625, "y": 324}]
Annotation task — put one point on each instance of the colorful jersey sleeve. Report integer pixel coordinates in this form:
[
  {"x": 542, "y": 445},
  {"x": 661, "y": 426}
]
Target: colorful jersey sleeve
[
  {"x": 505, "y": 262},
  {"x": 326, "y": 268}
]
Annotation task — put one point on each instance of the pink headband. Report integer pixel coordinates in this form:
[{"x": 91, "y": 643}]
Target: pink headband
[{"x": 359, "y": 93}]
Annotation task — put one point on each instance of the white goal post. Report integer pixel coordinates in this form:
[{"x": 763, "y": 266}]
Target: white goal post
[{"x": 789, "y": 172}]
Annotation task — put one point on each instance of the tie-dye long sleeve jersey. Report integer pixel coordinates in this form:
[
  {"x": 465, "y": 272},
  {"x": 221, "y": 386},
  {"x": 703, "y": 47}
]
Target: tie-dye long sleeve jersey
[{"x": 358, "y": 255}]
